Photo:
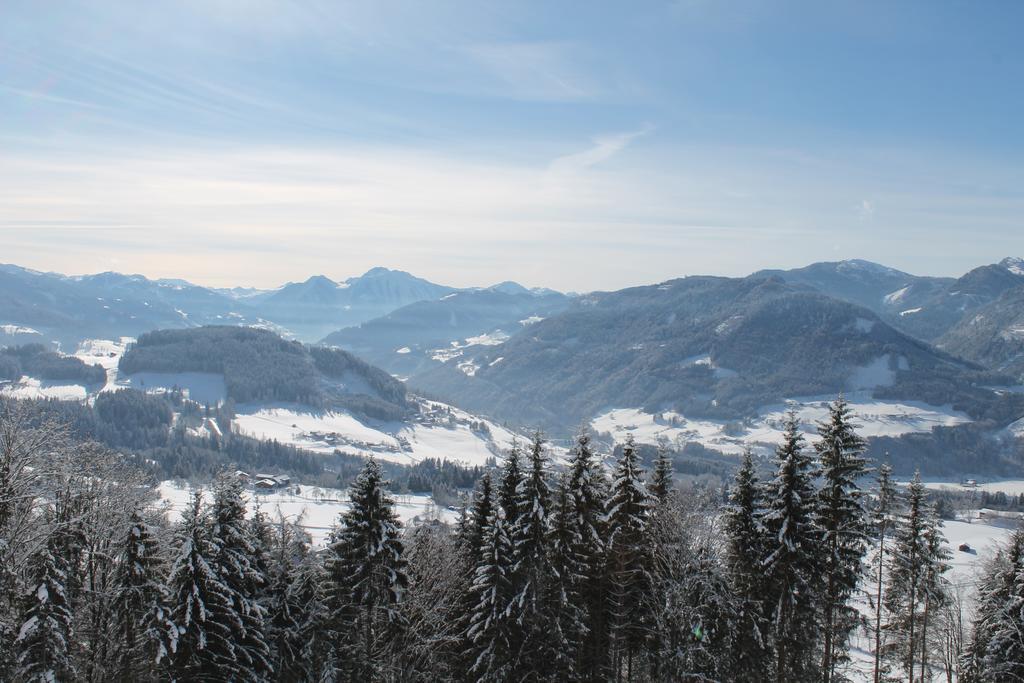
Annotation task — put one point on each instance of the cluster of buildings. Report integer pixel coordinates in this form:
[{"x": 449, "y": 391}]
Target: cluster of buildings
[{"x": 264, "y": 482}]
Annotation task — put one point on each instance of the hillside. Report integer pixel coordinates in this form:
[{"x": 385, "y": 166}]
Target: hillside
[
  {"x": 706, "y": 347},
  {"x": 411, "y": 339},
  {"x": 259, "y": 366},
  {"x": 993, "y": 335},
  {"x": 924, "y": 307}
]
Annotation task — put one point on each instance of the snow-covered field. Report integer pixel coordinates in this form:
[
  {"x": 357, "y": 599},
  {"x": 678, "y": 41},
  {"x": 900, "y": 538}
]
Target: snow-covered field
[
  {"x": 29, "y": 387},
  {"x": 317, "y": 508},
  {"x": 433, "y": 436},
  {"x": 876, "y": 418}
]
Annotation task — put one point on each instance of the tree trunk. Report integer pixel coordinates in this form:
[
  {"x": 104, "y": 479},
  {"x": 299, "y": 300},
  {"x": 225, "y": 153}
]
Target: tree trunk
[{"x": 878, "y": 607}]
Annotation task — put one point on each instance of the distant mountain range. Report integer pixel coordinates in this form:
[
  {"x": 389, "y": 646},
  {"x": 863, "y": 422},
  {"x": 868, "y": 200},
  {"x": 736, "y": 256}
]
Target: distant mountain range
[
  {"x": 422, "y": 335},
  {"x": 723, "y": 350},
  {"x": 50, "y": 307}
]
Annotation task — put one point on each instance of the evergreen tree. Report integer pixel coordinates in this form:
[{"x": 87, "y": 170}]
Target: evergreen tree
[
  {"x": 508, "y": 487},
  {"x": 790, "y": 565},
  {"x": 367, "y": 577},
  {"x": 236, "y": 561},
  {"x": 934, "y": 589},
  {"x": 287, "y": 601},
  {"x": 43, "y": 643},
  {"x": 883, "y": 510},
  {"x": 492, "y": 590},
  {"x": 661, "y": 479},
  {"x": 530, "y": 617},
  {"x": 842, "y": 519},
  {"x": 745, "y": 546},
  {"x": 587, "y": 490},
  {"x": 915, "y": 565},
  {"x": 630, "y": 562},
  {"x": 147, "y": 637},
  {"x": 471, "y": 540},
  {"x": 563, "y": 597},
  {"x": 996, "y": 650},
  {"x": 472, "y": 532},
  {"x": 202, "y": 604}
]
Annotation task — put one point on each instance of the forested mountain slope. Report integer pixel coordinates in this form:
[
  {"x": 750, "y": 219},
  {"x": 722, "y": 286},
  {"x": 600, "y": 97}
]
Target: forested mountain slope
[
  {"x": 706, "y": 346},
  {"x": 407, "y": 341},
  {"x": 259, "y": 366}
]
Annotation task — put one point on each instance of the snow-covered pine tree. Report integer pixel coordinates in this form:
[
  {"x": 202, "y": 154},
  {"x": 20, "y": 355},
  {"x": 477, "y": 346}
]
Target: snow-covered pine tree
[
  {"x": 147, "y": 638},
  {"x": 884, "y": 508},
  {"x": 43, "y": 645},
  {"x": 745, "y": 546},
  {"x": 367, "y": 577},
  {"x": 529, "y": 620},
  {"x": 286, "y": 600},
  {"x": 661, "y": 478},
  {"x": 996, "y": 650},
  {"x": 508, "y": 486},
  {"x": 842, "y": 519},
  {"x": 903, "y": 592},
  {"x": 588, "y": 491},
  {"x": 493, "y": 659},
  {"x": 472, "y": 531},
  {"x": 236, "y": 564},
  {"x": 431, "y": 646},
  {"x": 202, "y": 605},
  {"x": 471, "y": 539},
  {"x": 934, "y": 587},
  {"x": 563, "y": 597},
  {"x": 629, "y": 550},
  {"x": 791, "y": 563}
]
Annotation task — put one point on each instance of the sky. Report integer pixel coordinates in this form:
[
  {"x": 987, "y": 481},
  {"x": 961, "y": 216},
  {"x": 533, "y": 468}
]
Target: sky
[{"x": 577, "y": 145}]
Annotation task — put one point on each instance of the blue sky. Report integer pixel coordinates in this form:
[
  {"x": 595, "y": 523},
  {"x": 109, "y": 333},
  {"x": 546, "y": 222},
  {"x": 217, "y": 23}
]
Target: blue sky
[{"x": 580, "y": 145}]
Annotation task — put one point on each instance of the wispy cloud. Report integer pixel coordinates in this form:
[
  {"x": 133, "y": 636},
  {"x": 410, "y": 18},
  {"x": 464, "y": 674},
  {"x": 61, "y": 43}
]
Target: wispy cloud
[
  {"x": 536, "y": 71},
  {"x": 604, "y": 147}
]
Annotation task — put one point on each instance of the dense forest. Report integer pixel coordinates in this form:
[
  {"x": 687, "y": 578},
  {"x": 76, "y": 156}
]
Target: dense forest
[
  {"x": 37, "y": 361},
  {"x": 143, "y": 427},
  {"x": 258, "y": 365},
  {"x": 581, "y": 573}
]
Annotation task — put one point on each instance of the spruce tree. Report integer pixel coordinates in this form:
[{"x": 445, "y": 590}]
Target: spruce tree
[
  {"x": 529, "y": 617},
  {"x": 490, "y": 624},
  {"x": 508, "y": 487},
  {"x": 934, "y": 588},
  {"x": 996, "y": 649},
  {"x": 882, "y": 513},
  {"x": 661, "y": 478},
  {"x": 471, "y": 539},
  {"x": 472, "y": 532},
  {"x": 563, "y": 596},
  {"x": 236, "y": 558},
  {"x": 44, "y": 640},
  {"x": 367, "y": 577},
  {"x": 909, "y": 568},
  {"x": 287, "y": 601},
  {"x": 202, "y": 605},
  {"x": 147, "y": 636},
  {"x": 745, "y": 546},
  {"x": 629, "y": 547},
  {"x": 842, "y": 519},
  {"x": 587, "y": 490},
  {"x": 790, "y": 564}
]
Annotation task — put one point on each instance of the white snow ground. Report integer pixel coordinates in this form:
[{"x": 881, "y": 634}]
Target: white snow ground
[
  {"x": 876, "y": 418},
  {"x": 317, "y": 508},
  {"x": 435, "y": 434}
]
